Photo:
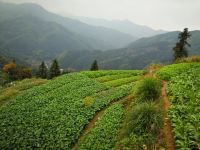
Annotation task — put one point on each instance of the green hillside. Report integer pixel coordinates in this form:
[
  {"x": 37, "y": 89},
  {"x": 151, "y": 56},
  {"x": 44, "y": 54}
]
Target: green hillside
[
  {"x": 101, "y": 110},
  {"x": 141, "y": 53}
]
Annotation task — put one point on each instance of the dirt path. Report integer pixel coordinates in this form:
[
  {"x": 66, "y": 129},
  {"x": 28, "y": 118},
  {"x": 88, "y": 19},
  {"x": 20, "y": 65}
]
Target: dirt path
[
  {"x": 167, "y": 131},
  {"x": 91, "y": 124}
]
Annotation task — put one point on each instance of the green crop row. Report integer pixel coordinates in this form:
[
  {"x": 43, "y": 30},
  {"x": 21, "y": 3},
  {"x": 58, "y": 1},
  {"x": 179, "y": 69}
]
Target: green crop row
[
  {"x": 48, "y": 120},
  {"x": 113, "y": 77},
  {"x": 52, "y": 116},
  {"x": 184, "y": 92},
  {"x": 167, "y": 72},
  {"x": 104, "y": 134},
  {"x": 119, "y": 82},
  {"x": 97, "y": 74}
]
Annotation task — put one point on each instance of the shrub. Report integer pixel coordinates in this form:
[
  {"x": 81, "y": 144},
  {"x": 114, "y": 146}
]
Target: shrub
[{"x": 148, "y": 90}]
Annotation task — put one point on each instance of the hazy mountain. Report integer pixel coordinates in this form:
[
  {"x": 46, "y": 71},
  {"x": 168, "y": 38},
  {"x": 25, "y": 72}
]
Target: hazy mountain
[
  {"x": 30, "y": 38},
  {"x": 125, "y": 26},
  {"x": 99, "y": 37},
  {"x": 30, "y": 34}
]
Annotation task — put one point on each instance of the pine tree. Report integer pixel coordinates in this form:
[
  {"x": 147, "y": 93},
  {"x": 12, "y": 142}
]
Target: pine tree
[
  {"x": 43, "y": 70},
  {"x": 55, "y": 69},
  {"x": 180, "y": 50},
  {"x": 94, "y": 66}
]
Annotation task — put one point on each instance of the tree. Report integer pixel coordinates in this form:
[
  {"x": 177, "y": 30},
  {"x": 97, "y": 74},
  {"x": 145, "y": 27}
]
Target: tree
[
  {"x": 43, "y": 70},
  {"x": 180, "y": 50},
  {"x": 7, "y": 68},
  {"x": 94, "y": 66},
  {"x": 55, "y": 69}
]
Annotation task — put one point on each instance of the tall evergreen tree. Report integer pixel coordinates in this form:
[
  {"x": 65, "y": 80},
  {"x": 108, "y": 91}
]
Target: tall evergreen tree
[
  {"x": 55, "y": 69},
  {"x": 180, "y": 50},
  {"x": 94, "y": 66},
  {"x": 43, "y": 70}
]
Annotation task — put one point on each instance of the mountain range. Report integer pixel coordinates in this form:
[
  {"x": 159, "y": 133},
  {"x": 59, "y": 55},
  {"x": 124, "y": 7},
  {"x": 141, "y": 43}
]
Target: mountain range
[
  {"x": 30, "y": 34},
  {"x": 125, "y": 26}
]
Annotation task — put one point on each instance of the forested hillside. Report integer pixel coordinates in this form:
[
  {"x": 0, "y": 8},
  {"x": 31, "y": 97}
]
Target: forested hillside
[{"x": 137, "y": 55}]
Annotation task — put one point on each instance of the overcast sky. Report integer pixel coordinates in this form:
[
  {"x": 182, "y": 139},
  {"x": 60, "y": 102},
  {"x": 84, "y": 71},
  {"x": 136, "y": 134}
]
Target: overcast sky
[{"x": 158, "y": 14}]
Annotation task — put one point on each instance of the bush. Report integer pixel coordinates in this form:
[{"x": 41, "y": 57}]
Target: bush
[
  {"x": 148, "y": 90},
  {"x": 3, "y": 79}
]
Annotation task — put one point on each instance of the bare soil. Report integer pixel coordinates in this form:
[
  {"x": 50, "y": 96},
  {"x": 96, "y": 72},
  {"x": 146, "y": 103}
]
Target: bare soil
[{"x": 167, "y": 131}]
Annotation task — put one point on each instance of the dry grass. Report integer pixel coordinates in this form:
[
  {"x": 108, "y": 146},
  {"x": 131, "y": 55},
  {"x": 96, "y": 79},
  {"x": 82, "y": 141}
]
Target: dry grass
[{"x": 195, "y": 58}]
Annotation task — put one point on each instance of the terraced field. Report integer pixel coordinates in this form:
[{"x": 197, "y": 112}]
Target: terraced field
[
  {"x": 53, "y": 115},
  {"x": 184, "y": 93},
  {"x": 96, "y": 110}
]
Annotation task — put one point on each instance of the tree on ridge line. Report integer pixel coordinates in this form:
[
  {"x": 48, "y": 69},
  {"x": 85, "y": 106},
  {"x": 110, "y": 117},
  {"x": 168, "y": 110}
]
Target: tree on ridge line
[{"x": 180, "y": 50}]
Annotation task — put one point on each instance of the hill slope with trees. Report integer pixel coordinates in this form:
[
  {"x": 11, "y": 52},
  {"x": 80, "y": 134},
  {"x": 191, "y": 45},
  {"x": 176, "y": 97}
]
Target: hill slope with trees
[{"x": 137, "y": 55}]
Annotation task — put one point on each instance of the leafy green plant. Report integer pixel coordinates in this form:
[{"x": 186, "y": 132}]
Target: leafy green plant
[
  {"x": 102, "y": 73},
  {"x": 104, "y": 133},
  {"x": 184, "y": 93},
  {"x": 167, "y": 72},
  {"x": 52, "y": 116},
  {"x": 123, "y": 81}
]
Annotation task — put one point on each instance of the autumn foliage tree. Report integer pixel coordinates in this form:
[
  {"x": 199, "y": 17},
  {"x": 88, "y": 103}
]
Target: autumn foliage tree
[
  {"x": 8, "y": 68},
  {"x": 15, "y": 72}
]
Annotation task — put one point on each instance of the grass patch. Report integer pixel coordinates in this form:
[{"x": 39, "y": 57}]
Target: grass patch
[
  {"x": 148, "y": 90},
  {"x": 195, "y": 58},
  {"x": 144, "y": 122}
]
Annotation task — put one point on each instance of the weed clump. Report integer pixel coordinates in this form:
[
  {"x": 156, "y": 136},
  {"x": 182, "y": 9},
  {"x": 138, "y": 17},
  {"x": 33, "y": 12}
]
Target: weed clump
[
  {"x": 144, "y": 124},
  {"x": 148, "y": 90},
  {"x": 88, "y": 101}
]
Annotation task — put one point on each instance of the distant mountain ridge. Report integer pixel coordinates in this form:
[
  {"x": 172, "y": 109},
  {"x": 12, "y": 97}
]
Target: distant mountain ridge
[
  {"x": 99, "y": 37},
  {"x": 125, "y": 26}
]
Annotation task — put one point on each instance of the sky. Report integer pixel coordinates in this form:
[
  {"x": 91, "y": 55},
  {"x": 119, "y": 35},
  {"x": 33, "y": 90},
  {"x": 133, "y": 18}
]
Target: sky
[{"x": 158, "y": 14}]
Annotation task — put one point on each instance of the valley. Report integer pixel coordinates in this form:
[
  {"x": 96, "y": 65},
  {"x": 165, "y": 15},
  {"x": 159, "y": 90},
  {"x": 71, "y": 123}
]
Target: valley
[{"x": 76, "y": 81}]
